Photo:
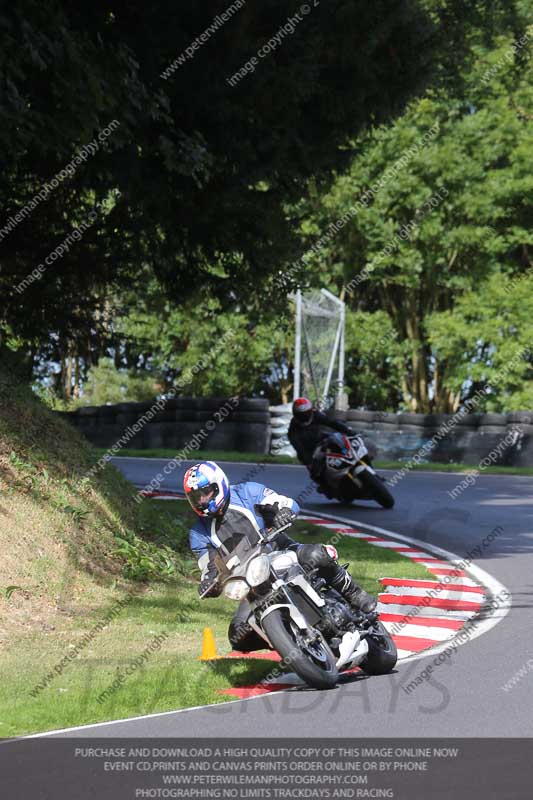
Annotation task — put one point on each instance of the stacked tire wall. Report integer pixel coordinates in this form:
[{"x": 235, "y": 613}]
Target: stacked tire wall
[
  {"x": 217, "y": 423},
  {"x": 280, "y": 418},
  {"x": 460, "y": 439},
  {"x": 251, "y": 426}
]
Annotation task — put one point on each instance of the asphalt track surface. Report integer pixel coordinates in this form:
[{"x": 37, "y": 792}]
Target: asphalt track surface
[{"x": 464, "y": 695}]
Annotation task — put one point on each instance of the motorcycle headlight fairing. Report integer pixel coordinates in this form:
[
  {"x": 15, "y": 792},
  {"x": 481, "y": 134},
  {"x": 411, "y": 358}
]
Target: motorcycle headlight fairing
[
  {"x": 258, "y": 570},
  {"x": 284, "y": 561},
  {"x": 236, "y": 590}
]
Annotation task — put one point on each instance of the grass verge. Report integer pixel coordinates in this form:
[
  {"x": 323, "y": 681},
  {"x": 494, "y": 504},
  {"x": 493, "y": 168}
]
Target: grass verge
[
  {"x": 204, "y": 455},
  {"x": 262, "y": 458},
  {"x": 171, "y": 676}
]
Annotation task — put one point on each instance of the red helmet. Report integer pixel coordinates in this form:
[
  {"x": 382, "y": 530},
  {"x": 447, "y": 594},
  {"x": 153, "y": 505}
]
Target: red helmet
[{"x": 302, "y": 410}]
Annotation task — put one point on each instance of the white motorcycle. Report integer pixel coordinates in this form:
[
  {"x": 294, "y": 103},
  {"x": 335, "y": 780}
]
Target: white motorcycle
[{"x": 314, "y": 630}]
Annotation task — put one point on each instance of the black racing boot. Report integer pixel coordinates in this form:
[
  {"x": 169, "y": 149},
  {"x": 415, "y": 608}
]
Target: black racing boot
[{"x": 356, "y": 597}]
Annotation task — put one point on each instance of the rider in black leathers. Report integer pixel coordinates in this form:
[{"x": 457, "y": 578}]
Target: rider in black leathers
[{"x": 308, "y": 428}]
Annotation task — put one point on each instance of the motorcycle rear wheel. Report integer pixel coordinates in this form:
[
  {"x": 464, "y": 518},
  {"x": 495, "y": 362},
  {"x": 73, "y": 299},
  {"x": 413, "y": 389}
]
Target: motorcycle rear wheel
[
  {"x": 313, "y": 662},
  {"x": 382, "y": 653}
]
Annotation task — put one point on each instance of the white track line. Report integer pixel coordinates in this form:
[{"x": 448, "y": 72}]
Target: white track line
[
  {"x": 444, "y": 594},
  {"x": 422, "y": 631},
  {"x": 403, "y": 655},
  {"x": 468, "y": 583},
  {"x": 407, "y": 610},
  {"x": 133, "y": 719},
  {"x": 390, "y": 545}
]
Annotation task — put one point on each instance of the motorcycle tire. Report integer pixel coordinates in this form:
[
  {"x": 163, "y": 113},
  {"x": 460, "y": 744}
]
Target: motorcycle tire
[
  {"x": 345, "y": 498},
  {"x": 347, "y": 491},
  {"x": 314, "y": 664},
  {"x": 376, "y": 487},
  {"x": 382, "y": 654}
]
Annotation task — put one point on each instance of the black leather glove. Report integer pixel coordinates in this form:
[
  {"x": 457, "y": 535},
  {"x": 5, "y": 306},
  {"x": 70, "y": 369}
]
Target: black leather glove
[
  {"x": 268, "y": 512},
  {"x": 284, "y": 517},
  {"x": 274, "y": 516}
]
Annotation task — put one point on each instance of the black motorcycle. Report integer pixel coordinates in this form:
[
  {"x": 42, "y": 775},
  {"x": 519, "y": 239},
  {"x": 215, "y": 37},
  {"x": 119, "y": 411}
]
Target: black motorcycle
[{"x": 344, "y": 472}]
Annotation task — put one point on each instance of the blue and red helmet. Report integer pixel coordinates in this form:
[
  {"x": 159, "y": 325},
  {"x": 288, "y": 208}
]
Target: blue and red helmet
[
  {"x": 302, "y": 410},
  {"x": 207, "y": 489}
]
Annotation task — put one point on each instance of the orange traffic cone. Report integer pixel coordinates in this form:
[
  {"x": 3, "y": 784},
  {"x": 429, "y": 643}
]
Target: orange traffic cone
[{"x": 209, "y": 648}]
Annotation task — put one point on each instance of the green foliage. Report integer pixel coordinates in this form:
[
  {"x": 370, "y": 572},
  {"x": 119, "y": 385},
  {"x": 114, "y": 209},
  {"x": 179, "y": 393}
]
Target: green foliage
[
  {"x": 198, "y": 195},
  {"x": 374, "y": 360},
  {"x": 79, "y": 515},
  {"x": 141, "y": 562},
  {"x": 203, "y": 349},
  {"x": 49, "y": 397},
  {"x": 453, "y": 209},
  {"x": 159, "y": 550},
  {"x": 107, "y": 384},
  {"x": 488, "y": 342},
  {"x": 197, "y": 212}
]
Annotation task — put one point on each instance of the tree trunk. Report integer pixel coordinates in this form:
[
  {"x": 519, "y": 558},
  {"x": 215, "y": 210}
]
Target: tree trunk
[
  {"x": 285, "y": 392},
  {"x": 418, "y": 380},
  {"x": 445, "y": 401},
  {"x": 77, "y": 381},
  {"x": 68, "y": 373}
]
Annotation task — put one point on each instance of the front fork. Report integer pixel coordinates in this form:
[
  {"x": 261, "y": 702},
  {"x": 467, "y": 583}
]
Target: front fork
[{"x": 360, "y": 466}]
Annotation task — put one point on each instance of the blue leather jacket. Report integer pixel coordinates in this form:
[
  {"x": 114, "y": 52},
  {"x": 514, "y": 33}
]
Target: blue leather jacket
[{"x": 244, "y": 496}]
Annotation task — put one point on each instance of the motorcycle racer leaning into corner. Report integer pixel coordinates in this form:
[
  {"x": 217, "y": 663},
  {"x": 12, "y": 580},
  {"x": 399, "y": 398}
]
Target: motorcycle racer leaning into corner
[
  {"x": 308, "y": 429},
  {"x": 225, "y": 511}
]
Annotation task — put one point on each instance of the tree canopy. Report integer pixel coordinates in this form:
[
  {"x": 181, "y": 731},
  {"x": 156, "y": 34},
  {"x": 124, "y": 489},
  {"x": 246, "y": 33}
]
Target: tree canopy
[
  {"x": 433, "y": 218},
  {"x": 164, "y": 165},
  {"x": 194, "y": 178}
]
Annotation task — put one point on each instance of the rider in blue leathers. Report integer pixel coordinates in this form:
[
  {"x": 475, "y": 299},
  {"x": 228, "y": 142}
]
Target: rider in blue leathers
[
  {"x": 245, "y": 496},
  {"x": 225, "y": 511}
]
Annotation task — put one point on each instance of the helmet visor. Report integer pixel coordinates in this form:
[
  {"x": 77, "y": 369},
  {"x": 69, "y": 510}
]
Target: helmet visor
[{"x": 200, "y": 498}]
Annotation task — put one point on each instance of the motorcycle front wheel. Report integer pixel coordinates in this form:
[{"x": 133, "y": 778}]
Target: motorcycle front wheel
[
  {"x": 312, "y": 661},
  {"x": 375, "y": 486}
]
